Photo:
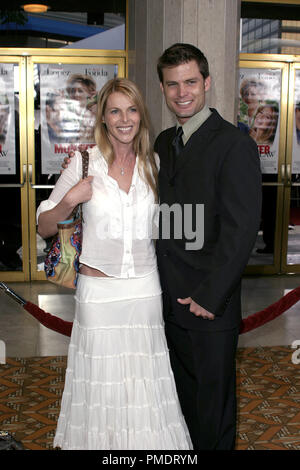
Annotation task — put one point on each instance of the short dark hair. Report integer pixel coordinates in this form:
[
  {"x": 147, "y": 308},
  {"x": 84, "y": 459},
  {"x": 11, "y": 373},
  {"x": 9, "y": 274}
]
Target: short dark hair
[{"x": 181, "y": 53}]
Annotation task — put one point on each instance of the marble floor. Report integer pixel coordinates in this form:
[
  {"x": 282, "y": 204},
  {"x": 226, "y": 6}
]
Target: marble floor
[{"x": 23, "y": 336}]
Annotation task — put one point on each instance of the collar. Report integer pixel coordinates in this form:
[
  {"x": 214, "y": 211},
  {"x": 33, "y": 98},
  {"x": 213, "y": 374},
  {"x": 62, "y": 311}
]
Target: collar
[{"x": 193, "y": 124}]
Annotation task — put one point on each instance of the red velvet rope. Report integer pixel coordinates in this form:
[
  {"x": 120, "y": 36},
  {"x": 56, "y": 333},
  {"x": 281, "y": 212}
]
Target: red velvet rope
[
  {"x": 48, "y": 320},
  {"x": 271, "y": 312},
  {"x": 247, "y": 324}
]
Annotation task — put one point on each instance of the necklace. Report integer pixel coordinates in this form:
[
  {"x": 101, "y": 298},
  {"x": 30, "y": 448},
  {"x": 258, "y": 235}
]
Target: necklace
[{"x": 123, "y": 168}]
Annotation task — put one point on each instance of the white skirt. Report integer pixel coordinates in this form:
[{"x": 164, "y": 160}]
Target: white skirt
[{"x": 119, "y": 390}]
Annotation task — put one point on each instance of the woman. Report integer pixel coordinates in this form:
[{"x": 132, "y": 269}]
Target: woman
[
  {"x": 265, "y": 123},
  {"x": 119, "y": 389},
  {"x": 263, "y": 132},
  {"x": 251, "y": 92}
]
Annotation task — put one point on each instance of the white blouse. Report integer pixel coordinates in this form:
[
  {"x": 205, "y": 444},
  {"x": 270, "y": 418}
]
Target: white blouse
[{"x": 118, "y": 228}]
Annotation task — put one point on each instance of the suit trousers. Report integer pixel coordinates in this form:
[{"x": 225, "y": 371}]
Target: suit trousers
[{"x": 204, "y": 368}]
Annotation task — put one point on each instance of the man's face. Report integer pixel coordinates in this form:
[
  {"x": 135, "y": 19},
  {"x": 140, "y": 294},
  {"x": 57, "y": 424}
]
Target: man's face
[{"x": 184, "y": 89}]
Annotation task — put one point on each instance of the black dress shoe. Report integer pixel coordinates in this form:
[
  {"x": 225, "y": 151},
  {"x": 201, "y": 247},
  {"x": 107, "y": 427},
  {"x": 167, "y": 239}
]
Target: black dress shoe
[{"x": 265, "y": 250}]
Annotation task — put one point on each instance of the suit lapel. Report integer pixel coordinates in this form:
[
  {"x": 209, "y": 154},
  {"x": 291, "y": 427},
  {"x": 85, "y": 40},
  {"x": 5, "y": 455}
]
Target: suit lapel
[
  {"x": 167, "y": 163},
  {"x": 197, "y": 142}
]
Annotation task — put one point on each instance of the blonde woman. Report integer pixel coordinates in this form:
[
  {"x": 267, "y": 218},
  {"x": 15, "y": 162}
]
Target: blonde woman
[
  {"x": 265, "y": 123},
  {"x": 252, "y": 93},
  {"x": 119, "y": 388}
]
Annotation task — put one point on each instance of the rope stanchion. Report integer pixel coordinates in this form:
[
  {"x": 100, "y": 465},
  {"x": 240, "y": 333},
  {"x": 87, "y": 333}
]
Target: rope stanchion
[{"x": 250, "y": 323}]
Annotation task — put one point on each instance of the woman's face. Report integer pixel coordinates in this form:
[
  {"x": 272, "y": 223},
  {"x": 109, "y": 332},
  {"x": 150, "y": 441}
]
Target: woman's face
[
  {"x": 78, "y": 92},
  {"x": 264, "y": 118},
  {"x": 250, "y": 96},
  {"x": 122, "y": 118}
]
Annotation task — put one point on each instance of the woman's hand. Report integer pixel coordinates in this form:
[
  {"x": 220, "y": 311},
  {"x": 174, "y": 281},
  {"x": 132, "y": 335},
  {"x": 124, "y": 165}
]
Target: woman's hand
[{"x": 81, "y": 192}]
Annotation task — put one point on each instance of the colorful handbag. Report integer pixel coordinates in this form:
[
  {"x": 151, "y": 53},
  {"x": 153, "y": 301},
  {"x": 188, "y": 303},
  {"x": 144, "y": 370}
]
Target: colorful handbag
[{"x": 62, "y": 261}]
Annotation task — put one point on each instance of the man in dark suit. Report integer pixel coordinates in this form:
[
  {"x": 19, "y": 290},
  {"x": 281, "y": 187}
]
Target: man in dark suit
[{"x": 214, "y": 166}]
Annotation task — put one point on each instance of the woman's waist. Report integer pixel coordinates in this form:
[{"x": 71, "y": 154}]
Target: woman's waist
[
  {"x": 100, "y": 289},
  {"x": 89, "y": 271}
]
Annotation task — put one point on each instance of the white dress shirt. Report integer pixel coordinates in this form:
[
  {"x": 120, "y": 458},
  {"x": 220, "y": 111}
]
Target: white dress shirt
[{"x": 118, "y": 228}]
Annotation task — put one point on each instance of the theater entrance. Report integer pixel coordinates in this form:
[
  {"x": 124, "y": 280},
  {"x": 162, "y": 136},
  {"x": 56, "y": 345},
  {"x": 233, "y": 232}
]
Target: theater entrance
[{"x": 269, "y": 111}]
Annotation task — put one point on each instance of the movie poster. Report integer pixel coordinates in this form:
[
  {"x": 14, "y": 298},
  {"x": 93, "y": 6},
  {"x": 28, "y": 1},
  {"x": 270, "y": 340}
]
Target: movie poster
[
  {"x": 7, "y": 120},
  {"x": 68, "y": 108},
  {"x": 296, "y": 129},
  {"x": 259, "y": 112}
]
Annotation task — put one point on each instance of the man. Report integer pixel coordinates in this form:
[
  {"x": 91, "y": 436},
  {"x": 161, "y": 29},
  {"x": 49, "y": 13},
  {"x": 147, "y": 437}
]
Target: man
[{"x": 218, "y": 167}]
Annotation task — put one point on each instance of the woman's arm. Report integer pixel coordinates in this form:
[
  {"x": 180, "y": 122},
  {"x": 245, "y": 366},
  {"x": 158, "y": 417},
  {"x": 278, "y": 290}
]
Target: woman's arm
[
  {"x": 81, "y": 192},
  {"x": 69, "y": 191}
]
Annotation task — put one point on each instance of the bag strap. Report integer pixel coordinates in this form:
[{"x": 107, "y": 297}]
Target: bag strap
[
  {"x": 85, "y": 163},
  {"x": 85, "y": 169}
]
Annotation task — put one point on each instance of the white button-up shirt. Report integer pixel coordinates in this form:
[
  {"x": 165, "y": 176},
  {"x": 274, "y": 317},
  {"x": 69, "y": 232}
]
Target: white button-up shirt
[{"x": 118, "y": 228}]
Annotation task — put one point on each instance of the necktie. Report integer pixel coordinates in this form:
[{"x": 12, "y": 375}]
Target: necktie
[{"x": 177, "y": 142}]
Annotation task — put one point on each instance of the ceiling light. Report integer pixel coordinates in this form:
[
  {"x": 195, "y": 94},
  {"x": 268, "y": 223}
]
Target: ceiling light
[{"x": 35, "y": 8}]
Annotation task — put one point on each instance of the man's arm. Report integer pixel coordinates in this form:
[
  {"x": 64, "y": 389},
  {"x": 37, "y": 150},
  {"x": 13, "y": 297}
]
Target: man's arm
[{"x": 239, "y": 186}]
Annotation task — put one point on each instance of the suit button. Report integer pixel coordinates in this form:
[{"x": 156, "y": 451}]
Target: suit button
[{"x": 166, "y": 253}]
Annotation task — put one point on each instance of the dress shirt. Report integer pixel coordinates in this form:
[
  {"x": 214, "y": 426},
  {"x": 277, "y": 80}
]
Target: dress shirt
[
  {"x": 118, "y": 227},
  {"x": 194, "y": 123}
]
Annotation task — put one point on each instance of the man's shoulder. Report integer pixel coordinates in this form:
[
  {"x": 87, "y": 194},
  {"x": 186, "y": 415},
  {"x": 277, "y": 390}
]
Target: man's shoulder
[
  {"x": 164, "y": 137},
  {"x": 229, "y": 131},
  {"x": 166, "y": 132}
]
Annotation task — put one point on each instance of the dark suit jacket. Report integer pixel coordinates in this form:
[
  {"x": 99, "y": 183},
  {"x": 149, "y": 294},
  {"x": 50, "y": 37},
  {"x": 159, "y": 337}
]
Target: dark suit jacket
[{"x": 218, "y": 167}]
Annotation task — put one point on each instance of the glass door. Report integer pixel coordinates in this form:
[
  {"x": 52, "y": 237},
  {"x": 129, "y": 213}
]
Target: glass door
[
  {"x": 291, "y": 222},
  {"x": 263, "y": 91},
  {"x": 62, "y": 110},
  {"x": 14, "y": 246}
]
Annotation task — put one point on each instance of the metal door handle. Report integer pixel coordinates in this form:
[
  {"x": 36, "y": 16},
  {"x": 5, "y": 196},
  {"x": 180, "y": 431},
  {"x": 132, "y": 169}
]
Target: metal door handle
[
  {"x": 16, "y": 185},
  {"x": 37, "y": 186}
]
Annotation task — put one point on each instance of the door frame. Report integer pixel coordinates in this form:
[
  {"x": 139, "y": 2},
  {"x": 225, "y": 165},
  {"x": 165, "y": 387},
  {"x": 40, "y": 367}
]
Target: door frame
[{"x": 287, "y": 64}]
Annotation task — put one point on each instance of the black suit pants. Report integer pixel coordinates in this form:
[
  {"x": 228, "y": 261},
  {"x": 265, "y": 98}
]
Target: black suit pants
[{"x": 204, "y": 369}]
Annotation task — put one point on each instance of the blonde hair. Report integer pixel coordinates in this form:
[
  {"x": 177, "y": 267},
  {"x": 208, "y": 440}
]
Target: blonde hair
[
  {"x": 141, "y": 143},
  {"x": 252, "y": 83},
  {"x": 88, "y": 83},
  {"x": 268, "y": 134}
]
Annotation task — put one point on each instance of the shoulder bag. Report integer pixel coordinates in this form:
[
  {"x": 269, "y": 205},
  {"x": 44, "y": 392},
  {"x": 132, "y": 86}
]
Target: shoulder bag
[{"x": 62, "y": 261}]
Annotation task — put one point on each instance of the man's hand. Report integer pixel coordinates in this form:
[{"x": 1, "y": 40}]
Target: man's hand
[
  {"x": 67, "y": 160},
  {"x": 196, "y": 309}
]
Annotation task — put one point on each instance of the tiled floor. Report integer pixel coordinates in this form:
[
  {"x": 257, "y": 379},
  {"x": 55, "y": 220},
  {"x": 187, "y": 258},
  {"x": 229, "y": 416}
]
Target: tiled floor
[{"x": 25, "y": 337}]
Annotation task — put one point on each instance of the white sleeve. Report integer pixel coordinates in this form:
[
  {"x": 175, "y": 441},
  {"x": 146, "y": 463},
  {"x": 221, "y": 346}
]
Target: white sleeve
[{"x": 69, "y": 177}]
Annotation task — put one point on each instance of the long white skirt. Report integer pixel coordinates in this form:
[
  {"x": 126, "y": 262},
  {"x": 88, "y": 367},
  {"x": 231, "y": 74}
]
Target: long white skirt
[{"x": 119, "y": 388}]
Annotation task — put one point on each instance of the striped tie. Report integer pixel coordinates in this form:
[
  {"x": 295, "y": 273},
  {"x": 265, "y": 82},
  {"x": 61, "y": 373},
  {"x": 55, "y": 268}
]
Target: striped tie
[{"x": 177, "y": 142}]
